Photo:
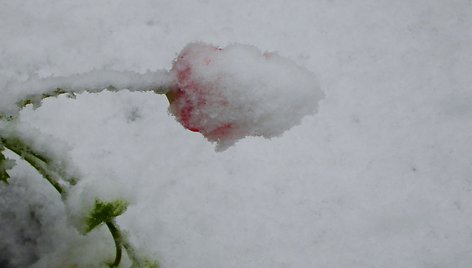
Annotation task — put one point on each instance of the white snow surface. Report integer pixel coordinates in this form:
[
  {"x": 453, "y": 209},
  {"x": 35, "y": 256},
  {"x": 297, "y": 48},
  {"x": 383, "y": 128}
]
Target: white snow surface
[{"x": 379, "y": 177}]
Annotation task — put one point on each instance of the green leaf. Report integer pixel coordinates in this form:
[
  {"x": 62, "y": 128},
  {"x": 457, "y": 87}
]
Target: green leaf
[
  {"x": 5, "y": 117},
  {"x": 3, "y": 174},
  {"x": 105, "y": 211},
  {"x": 5, "y": 164}
]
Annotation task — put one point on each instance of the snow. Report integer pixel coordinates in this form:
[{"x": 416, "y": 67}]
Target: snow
[{"x": 379, "y": 177}]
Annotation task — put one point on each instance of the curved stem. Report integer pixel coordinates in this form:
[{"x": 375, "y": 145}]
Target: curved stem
[
  {"x": 117, "y": 237},
  {"x": 93, "y": 82},
  {"x": 45, "y": 173},
  {"x": 35, "y": 160}
]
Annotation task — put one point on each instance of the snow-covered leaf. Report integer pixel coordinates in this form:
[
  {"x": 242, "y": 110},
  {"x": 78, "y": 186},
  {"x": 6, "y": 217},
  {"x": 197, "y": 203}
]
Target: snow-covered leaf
[{"x": 105, "y": 211}]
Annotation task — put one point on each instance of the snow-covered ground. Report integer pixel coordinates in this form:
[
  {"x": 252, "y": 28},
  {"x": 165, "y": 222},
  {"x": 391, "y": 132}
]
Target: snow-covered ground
[{"x": 380, "y": 177}]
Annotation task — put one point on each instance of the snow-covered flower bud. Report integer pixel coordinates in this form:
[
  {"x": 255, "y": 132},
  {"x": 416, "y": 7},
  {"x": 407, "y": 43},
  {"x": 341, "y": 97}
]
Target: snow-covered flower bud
[{"x": 238, "y": 91}]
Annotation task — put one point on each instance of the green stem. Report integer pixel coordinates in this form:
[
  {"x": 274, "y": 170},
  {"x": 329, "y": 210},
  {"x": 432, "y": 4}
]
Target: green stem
[
  {"x": 35, "y": 160},
  {"x": 117, "y": 237},
  {"x": 121, "y": 240},
  {"x": 131, "y": 251}
]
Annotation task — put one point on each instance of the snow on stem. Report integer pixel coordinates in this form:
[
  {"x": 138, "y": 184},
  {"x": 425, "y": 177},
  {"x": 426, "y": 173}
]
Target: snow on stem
[{"x": 17, "y": 95}]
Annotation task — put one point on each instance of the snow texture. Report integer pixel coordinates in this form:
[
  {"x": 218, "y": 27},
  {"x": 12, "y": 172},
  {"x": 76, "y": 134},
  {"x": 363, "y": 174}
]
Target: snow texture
[
  {"x": 238, "y": 91},
  {"x": 379, "y": 177}
]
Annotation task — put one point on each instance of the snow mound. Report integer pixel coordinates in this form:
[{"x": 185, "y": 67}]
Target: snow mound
[{"x": 238, "y": 91}]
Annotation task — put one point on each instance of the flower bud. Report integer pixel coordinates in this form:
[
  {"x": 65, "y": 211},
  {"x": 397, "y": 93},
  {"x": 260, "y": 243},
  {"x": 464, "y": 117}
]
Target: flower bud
[{"x": 228, "y": 94}]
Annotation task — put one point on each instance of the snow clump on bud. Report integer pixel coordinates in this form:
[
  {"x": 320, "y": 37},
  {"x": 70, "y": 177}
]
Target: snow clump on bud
[{"x": 238, "y": 91}]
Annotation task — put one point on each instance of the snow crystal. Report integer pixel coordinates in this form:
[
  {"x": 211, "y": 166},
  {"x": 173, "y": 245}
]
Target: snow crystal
[{"x": 227, "y": 94}]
